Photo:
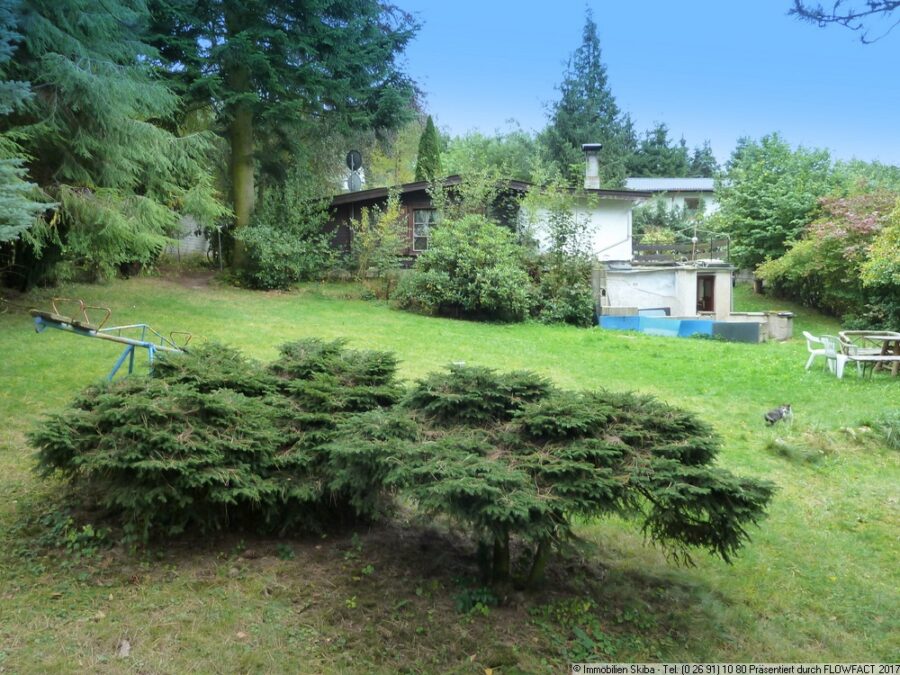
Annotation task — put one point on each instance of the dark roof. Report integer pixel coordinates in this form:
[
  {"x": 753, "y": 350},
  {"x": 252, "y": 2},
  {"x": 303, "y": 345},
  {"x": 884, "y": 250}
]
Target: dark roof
[{"x": 514, "y": 185}]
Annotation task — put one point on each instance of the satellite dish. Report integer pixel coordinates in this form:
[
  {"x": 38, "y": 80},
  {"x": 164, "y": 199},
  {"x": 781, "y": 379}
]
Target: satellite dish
[
  {"x": 354, "y": 182},
  {"x": 354, "y": 160}
]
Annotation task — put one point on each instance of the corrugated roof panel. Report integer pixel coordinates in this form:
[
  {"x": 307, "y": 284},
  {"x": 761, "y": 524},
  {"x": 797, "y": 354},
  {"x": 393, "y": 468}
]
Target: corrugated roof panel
[{"x": 670, "y": 184}]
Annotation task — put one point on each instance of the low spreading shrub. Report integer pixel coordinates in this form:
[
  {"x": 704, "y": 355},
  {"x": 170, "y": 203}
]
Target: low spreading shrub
[
  {"x": 324, "y": 436},
  {"x": 214, "y": 440},
  {"x": 508, "y": 455}
]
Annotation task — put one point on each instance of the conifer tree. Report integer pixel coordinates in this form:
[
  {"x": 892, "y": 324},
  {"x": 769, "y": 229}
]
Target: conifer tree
[
  {"x": 703, "y": 162},
  {"x": 428, "y": 163},
  {"x": 94, "y": 135},
  {"x": 586, "y": 112},
  {"x": 17, "y": 208},
  {"x": 269, "y": 68},
  {"x": 658, "y": 156}
]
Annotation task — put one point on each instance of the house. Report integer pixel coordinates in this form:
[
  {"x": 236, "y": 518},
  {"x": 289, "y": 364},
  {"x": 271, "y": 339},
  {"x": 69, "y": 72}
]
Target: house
[
  {"x": 608, "y": 213},
  {"x": 693, "y": 195},
  {"x": 622, "y": 284}
]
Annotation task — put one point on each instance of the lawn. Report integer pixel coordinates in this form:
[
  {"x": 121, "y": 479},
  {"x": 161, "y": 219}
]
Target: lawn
[{"x": 818, "y": 582}]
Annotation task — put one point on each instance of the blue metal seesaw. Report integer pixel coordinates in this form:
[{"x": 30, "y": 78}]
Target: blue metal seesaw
[{"x": 132, "y": 336}]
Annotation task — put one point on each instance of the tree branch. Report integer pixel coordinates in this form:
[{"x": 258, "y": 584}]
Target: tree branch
[{"x": 854, "y": 18}]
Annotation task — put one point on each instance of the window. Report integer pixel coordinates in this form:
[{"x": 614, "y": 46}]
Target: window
[
  {"x": 423, "y": 220},
  {"x": 692, "y": 203}
]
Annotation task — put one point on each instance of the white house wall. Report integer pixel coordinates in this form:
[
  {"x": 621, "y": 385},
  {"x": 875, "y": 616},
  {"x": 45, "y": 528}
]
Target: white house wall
[
  {"x": 672, "y": 287},
  {"x": 677, "y": 199},
  {"x": 650, "y": 288},
  {"x": 608, "y": 225}
]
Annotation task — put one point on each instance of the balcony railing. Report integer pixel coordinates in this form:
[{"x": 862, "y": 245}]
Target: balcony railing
[{"x": 713, "y": 248}]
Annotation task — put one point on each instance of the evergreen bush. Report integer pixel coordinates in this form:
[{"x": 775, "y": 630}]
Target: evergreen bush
[
  {"x": 324, "y": 436},
  {"x": 214, "y": 440},
  {"x": 286, "y": 241},
  {"x": 508, "y": 455}
]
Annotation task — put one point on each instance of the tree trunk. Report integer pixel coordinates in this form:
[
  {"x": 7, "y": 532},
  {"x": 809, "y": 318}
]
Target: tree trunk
[
  {"x": 539, "y": 564},
  {"x": 501, "y": 559},
  {"x": 243, "y": 187},
  {"x": 240, "y": 138}
]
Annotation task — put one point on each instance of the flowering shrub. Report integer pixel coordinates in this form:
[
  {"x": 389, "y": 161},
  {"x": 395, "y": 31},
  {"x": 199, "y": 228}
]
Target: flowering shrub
[{"x": 825, "y": 269}]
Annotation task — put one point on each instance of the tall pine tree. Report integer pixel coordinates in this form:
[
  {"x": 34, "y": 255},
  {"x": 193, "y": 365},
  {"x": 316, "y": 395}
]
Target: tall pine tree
[
  {"x": 269, "y": 68},
  {"x": 703, "y": 162},
  {"x": 96, "y": 140},
  {"x": 18, "y": 209},
  {"x": 428, "y": 163},
  {"x": 587, "y": 113}
]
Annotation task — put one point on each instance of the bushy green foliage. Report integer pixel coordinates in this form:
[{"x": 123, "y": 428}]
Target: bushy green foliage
[
  {"x": 510, "y": 455},
  {"x": 472, "y": 269},
  {"x": 587, "y": 112},
  {"x": 100, "y": 139},
  {"x": 379, "y": 241},
  {"x": 512, "y": 154},
  {"x": 273, "y": 70},
  {"x": 215, "y": 440},
  {"x": 285, "y": 242},
  {"x": 18, "y": 204},
  {"x": 827, "y": 268},
  {"x": 166, "y": 456},
  {"x": 324, "y": 377},
  {"x": 767, "y": 195},
  {"x": 657, "y": 155},
  {"x": 562, "y": 264}
]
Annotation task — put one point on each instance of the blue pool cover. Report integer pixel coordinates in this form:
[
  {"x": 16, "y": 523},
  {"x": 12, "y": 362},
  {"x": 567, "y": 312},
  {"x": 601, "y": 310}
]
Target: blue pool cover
[{"x": 652, "y": 325}]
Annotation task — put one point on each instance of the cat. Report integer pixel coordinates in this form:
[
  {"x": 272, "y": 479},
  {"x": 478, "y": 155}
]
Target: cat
[{"x": 782, "y": 412}]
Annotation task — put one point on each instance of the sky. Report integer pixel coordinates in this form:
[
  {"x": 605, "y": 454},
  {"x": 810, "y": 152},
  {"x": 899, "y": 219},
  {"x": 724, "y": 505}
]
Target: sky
[{"x": 712, "y": 70}]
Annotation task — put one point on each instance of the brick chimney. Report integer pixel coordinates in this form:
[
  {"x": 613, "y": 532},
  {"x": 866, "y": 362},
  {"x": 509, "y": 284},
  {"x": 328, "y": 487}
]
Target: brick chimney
[{"x": 592, "y": 165}]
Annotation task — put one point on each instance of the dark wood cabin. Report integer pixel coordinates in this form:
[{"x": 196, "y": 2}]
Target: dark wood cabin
[{"x": 418, "y": 209}]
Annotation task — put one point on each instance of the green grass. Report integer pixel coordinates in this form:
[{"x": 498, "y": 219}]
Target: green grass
[{"x": 819, "y": 581}]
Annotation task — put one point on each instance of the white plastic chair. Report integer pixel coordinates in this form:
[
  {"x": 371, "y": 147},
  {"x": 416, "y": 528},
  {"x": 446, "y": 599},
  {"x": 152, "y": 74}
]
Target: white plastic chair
[
  {"x": 834, "y": 352},
  {"x": 816, "y": 347}
]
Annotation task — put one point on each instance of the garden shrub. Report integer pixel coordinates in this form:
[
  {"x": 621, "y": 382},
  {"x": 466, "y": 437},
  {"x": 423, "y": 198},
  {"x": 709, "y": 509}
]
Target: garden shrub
[
  {"x": 473, "y": 269},
  {"x": 379, "y": 242},
  {"x": 565, "y": 294},
  {"x": 214, "y": 440},
  {"x": 325, "y": 436},
  {"x": 831, "y": 267},
  {"x": 509, "y": 455},
  {"x": 563, "y": 258},
  {"x": 285, "y": 243}
]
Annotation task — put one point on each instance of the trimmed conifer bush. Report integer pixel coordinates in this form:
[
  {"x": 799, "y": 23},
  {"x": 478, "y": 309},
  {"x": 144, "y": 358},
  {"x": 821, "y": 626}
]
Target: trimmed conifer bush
[
  {"x": 214, "y": 440},
  {"x": 324, "y": 435},
  {"x": 509, "y": 455}
]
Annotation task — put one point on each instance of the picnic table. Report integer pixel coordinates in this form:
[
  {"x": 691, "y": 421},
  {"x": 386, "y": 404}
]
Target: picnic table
[{"x": 881, "y": 349}]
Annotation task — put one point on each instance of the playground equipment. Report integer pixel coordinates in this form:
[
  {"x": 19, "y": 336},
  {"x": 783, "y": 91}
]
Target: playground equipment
[{"x": 138, "y": 335}]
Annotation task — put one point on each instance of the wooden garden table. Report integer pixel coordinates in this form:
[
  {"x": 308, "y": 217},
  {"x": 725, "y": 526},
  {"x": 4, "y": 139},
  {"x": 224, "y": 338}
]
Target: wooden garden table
[{"x": 890, "y": 346}]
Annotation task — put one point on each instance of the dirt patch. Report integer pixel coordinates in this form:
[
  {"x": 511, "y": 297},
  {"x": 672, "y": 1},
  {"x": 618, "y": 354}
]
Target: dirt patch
[{"x": 195, "y": 279}]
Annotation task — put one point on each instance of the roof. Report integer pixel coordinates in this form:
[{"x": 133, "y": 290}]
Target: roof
[
  {"x": 671, "y": 184},
  {"x": 514, "y": 185}
]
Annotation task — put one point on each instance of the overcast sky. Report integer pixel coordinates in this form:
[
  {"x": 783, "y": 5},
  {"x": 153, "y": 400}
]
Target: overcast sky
[{"x": 709, "y": 69}]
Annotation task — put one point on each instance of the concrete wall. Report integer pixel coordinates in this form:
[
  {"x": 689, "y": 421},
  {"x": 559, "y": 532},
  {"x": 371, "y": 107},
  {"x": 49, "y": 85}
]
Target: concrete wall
[
  {"x": 672, "y": 287},
  {"x": 646, "y": 288},
  {"x": 723, "y": 291},
  {"x": 188, "y": 244},
  {"x": 608, "y": 224}
]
